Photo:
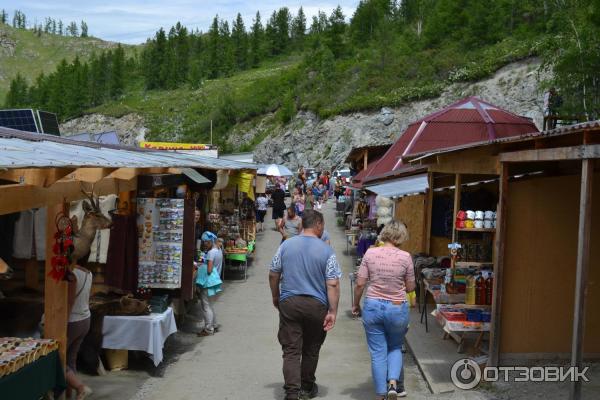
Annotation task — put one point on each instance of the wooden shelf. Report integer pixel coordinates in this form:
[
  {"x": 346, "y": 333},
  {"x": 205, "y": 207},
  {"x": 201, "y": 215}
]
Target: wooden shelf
[
  {"x": 473, "y": 264},
  {"x": 476, "y": 229}
]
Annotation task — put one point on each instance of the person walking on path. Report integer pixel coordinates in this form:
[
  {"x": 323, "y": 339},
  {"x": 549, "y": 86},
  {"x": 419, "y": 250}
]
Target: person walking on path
[
  {"x": 390, "y": 274},
  {"x": 278, "y": 197},
  {"x": 291, "y": 225},
  {"x": 261, "y": 210},
  {"x": 299, "y": 201},
  {"x": 78, "y": 327},
  {"x": 305, "y": 289}
]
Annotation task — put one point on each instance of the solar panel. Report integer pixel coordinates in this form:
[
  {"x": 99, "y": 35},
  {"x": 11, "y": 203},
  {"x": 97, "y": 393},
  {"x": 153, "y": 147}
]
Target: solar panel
[
  {"x": 48, "y": 123},
  {"x": 23, "y": 120}
]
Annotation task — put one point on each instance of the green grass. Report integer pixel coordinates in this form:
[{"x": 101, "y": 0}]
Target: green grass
[
  {"x": 185, "y": 113},
  {"x": 33, "y": 55}
]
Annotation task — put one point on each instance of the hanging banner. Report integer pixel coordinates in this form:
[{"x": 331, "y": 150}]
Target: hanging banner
[{"x": 208, "y": 150}]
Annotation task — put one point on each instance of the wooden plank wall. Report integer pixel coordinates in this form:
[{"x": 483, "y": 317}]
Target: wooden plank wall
[
  {"x": 539, "y": 272},
  {"x": 411, "y": 211}
]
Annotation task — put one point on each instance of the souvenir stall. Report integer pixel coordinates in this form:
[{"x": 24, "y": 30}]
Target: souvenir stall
[
  {"x": 232, "y": 218},
  {"x": 64, "y": 172}
]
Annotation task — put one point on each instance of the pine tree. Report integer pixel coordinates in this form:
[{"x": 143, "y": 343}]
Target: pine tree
[
  {"x": 47, "y": 25},
  {"x": 84, "y": 29},
  {"x": 226, "y": 49},
  {"x": 180, "y": 42},
  {"x": 17, "y": 96},
  {"x": 154, "y": 61},
  {"x": 60, "y": 27},
  {"x": 256, "y": 41},
  {"x": 299, "y": 30},
  {"x": 197, "y": 60},
  {"x": 53, "y": 26},
  {"x": 239, "y": 39},
  {"x": 214, "y": 61},
  {"x": 117, "y": 76},
  {"x": 336, "y": 32},
  {"x": 72, "y": 29},
  {"x": 3, "y": 17},
  {"x": 283, "y": 19},
  {"x": 271, "y": 35}
]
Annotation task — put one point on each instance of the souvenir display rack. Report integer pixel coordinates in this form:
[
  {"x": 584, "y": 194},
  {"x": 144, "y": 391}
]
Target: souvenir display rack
[{"x": 160, "y": 230}]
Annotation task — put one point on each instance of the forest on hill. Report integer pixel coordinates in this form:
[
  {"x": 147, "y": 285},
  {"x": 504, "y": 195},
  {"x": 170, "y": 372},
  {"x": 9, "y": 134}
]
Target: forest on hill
[{"x": 385, "y": 54}]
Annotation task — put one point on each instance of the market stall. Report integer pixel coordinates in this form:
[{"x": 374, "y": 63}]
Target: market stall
[{"x": 51, "y": 181}]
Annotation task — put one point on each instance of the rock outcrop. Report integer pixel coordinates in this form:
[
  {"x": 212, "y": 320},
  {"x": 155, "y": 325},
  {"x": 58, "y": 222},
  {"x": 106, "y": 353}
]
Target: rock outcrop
[
  {"x": 312, "y": 142},
  {"x": 130, "y": 127}
]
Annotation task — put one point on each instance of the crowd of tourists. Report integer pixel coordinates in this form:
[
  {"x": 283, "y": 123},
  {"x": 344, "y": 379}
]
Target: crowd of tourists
[{"x": 305, "y": 288}]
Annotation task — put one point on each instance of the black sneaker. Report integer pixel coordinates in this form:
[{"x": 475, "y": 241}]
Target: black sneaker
[
  {"x": 310, "y": 394},
  {"x": 400, "y": 391},
  {"x": 392, "y": 394}
]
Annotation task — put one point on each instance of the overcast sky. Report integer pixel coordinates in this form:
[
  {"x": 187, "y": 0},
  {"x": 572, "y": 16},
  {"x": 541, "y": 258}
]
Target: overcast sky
[{"x": 133, "y": 21}]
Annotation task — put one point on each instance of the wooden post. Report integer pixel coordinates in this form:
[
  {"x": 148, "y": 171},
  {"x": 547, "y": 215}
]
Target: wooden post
[
  {"x": 365, "y": 159},
  {"x": 427, "y": 222},
  {"x": 32, "y": 274},
  {"x": 501, "y": 219},
  {"x": 457, "y": 190},
  {"x": 583, "y": 262},
  {"x": 55, "y": 294}
]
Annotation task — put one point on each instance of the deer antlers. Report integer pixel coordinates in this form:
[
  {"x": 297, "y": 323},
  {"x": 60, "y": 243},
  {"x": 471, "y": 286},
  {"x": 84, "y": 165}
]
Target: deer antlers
[{"x": 95, "y": 201}]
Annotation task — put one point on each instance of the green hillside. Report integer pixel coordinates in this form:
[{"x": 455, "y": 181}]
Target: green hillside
[
  {"x": 386, "y": 54},
  {"x": 25, "y": 52}
]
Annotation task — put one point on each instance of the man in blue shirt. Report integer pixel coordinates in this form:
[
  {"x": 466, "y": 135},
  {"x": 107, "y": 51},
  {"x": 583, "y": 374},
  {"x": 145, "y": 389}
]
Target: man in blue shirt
[{"x": 304, "y": 280}]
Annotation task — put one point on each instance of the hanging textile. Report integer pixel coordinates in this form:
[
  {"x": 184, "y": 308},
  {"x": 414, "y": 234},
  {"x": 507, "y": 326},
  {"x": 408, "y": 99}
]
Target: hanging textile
[
  {"x": 243, "y": 181},
  {"x": 122, "y": 258},
  {"x": 30, "y": 235}
]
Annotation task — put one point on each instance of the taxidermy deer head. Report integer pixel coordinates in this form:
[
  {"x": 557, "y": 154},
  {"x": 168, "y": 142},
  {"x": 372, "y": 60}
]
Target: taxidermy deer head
[{"x": 93, "y": 221}]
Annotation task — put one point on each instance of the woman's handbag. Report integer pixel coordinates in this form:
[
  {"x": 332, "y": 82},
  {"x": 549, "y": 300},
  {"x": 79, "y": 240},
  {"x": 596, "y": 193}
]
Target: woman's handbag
[{"x": 211, "y": 282}]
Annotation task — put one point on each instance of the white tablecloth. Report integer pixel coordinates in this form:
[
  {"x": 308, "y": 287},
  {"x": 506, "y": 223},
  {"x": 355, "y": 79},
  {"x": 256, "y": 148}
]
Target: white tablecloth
[{"x": 143, "y": 332}]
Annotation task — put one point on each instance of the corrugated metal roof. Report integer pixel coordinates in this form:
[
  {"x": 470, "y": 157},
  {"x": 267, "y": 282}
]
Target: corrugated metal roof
[
  {"x": 565, "y": 130},
  {"x": 469, "y": 120},
  {"x": 31, "y": 150},
  {"x": 399, "y": 187}
]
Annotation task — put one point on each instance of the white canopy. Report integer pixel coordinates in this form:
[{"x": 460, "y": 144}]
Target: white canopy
[
  {"x": 401, "y": 187},
  {"x": 274, "y": 170}
]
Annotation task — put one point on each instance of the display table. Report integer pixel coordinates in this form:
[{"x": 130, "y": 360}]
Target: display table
[
  {"x": 438, "y": 298},
  {"x": 457, "y": 330},
  {"x": 143, "y": 332},
  {"x": 35, "y": 380}
]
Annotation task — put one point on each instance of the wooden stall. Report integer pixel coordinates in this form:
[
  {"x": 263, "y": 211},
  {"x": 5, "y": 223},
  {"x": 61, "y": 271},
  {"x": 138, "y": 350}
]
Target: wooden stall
[
  {"x": 38, "y": 170},
  {"x": 546, "y": 264}
]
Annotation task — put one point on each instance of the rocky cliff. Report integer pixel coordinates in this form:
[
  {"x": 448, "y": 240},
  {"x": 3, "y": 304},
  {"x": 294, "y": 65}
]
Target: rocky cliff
[
  {"x": 323, "y": 143},
  {"x": 130, "y": 127},
  {"x": 310, "y": 141}
]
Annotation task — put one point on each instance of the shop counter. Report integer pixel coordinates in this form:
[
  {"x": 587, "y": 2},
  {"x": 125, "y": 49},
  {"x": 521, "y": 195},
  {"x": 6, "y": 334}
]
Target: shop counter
[
  {"x": 141, "y": 332},
  {"x": 35, "y": 379}
]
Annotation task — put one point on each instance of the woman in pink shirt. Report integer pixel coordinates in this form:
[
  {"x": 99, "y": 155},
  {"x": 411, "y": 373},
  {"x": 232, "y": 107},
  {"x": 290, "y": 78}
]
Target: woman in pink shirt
[{"x": 390, "y": 274}]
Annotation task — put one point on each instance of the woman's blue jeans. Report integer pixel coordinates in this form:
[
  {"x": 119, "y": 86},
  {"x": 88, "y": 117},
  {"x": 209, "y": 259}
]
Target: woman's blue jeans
[{"x": 385, "y": 326}]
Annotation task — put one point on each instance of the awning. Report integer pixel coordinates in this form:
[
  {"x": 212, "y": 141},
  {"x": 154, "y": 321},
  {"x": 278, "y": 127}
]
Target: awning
[
  {"x": 401, "y": 187},
  {"x": 194, "y": 175}
]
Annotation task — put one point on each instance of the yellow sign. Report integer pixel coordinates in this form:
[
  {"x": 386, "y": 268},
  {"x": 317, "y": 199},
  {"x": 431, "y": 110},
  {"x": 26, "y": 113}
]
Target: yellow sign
[{"x": 176, "y": 146}]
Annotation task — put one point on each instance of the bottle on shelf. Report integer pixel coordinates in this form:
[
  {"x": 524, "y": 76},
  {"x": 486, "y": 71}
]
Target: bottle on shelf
[
  {"x": 489, "y": 288},
  {"x": 470, "y": 290},
  {"x": 480, "y": 290}
]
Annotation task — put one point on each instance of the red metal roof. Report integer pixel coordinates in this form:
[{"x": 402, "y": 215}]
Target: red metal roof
[
  {"x": 358, "y": 179},
  {"x": 469, "y": 120}
]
